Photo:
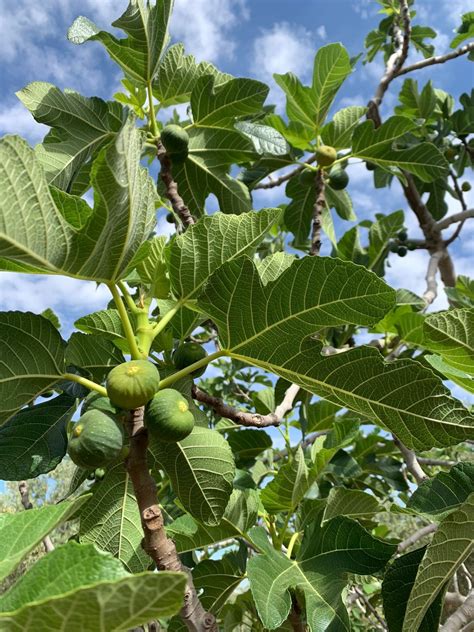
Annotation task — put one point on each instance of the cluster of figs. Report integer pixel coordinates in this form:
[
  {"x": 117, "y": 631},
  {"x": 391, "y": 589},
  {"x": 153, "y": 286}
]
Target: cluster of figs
[
  {"x": 336, "y": 177},
  {"x": 98, "y": 437}
]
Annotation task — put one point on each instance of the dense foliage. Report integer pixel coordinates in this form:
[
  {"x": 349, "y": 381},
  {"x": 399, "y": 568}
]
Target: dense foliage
[{"x": 244, "y": 460}]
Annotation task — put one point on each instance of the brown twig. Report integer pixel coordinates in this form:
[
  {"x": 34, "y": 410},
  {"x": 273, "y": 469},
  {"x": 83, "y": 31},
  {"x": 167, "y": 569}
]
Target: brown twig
[
  {"x": 431, "y": 285},
  {"x": 26, "y": 502},
  {"x": 461, "y": 617},
  {"x": 406, "y": 544},
  {"x": 295, "y": 618},
  {"x": 411, "y": 461},
  {"x": 370, "y": 607},
  {"x": 427, "y": 461},
  {"x": 453, "y": 219},
  {"x": 245, "y": 418},
  {"x": 172, "y": 193},
  {"x": 401, "y": 40},
  {"x": 287, "y": 176},
  {"x": 438, "y": 59},
  {"x": 159, "y": 547},
  {"x": 318, "y": 208},
  {"x": 304, "y": 444}
]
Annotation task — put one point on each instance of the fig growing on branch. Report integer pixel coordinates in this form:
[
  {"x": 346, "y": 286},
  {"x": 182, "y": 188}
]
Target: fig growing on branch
[
  {"x": 466, "y": 186},
  {"x": 338, "y": 179},
  {"x": 175, "y": 139},
  {"x": 96, "y": 440},
  {"x": 188, "y": 353},
  {"x": 325, "y": 155},
  {"x": 168, "y": 417},
  {"x": 132, "y": 384}
]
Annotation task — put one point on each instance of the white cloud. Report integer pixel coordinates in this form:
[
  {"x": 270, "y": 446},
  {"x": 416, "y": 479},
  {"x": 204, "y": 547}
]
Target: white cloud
[
  {"x": 283, "y": 48},
  {"x": 69, "y": 298},
  {"x": 363, "y": 7},
  {"x": 17, "y": 120},
  {"x": 205, "y": 26},
  {"x": 321, "y": 32}
]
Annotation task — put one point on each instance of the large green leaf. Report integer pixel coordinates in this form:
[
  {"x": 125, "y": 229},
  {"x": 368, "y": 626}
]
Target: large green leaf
[
  {"x": 34, "y": 441},
  {"x": 266, "y": 322},
  {"x": 32, "y": 353},
  {"x": 351, "y": 503},
  {"x": 265, "y": 139},
  {"x": 445, "y": 492},
  {"x": 205, "y": 246},
  {"x": 147, "y": 28},
  {"x": 211, "y": 152},
  {"x": 95, "y": 354},
  {"x": 106, "y": 322},
  {"x": 123, "y": 215},
  {"x": 178, "y": 74},
  {"x": 201, "y": 469},
  {"x": 111, "y": 520},
  {"x": 21, "y": 532},
  {"x": 247, "y": 444},
  {"x": 99, "y": 595},
  {"x": 80, "y": 127},
  {"x": 288, "y": 487},
  {"x": 217, "y": 579},
  {"x": 299, "y": 211},
  {"x": 462, "y": 379},
  {"x": 376, "y": 145},
  {"x": 220, "y": 105},
  {"x": 338, "y": 133},
  {"x": 318, "y": 574},
  {"x": 309, "y": 106},
  {"x": 397, "y": 585},
  {"x": 239, "y": 516},
  {"x": 451, "y": 335},
  {"x": 268, "y": 326},
  {"x": 451, "y": 544}
]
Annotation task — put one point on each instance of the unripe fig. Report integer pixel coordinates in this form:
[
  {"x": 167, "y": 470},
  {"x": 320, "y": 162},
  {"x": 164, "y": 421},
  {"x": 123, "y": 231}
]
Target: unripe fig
[
  {"x": 466, "y": 186},
  {"x": 325, "y": 155},
  {"x": 402, "y": 251},
  {"x": 188, "y": 353},
  {"x": 132, "y": 384}
]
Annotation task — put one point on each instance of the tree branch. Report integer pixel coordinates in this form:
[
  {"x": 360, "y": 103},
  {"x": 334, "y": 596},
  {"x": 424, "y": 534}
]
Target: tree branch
[
  {"x": 284, "y": 178},
  {"x": 25, "y": 501},
  {"x": 401, "y": 40},
  {"x": 159, "y": 547},
  {"x": 318, "y": 208},
  {"x": 461, "y": 617},
  {"x": 438, "y": 59},
  {"x": 177, "y": 202},
  {"x": 294, "y": 618},
  {"x": 406, "y": 544},
  {"x": 243, "y": 417},
  {"x": 411, "y": 461},
  {"x": 431, "y": 285},
  {"x": 453, "y": 219}
]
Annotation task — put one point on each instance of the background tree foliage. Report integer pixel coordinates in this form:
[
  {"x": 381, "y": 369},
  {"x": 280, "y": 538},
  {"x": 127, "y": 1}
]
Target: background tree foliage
[{"x": 328, "y": 482}]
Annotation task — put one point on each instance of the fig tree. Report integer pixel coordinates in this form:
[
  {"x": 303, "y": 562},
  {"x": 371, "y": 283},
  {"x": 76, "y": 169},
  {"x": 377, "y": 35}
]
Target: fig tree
[
  {"x": 132, "y": 384},
  {"x": 167, "y": 416}
]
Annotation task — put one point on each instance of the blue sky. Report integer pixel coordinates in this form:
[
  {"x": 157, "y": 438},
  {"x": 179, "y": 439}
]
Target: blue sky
[{"x": 246, "y": 38}]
